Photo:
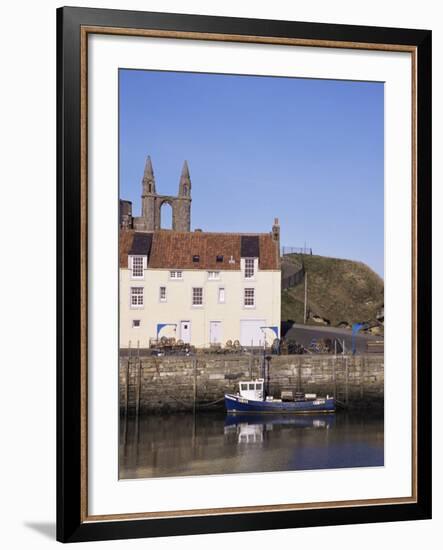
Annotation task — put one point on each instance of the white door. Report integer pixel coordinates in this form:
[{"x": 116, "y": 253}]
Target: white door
[
  {"x": 185, "y": 331},
  {"x": 251, "y": 333},
  {"x": 215, "y": 332}
]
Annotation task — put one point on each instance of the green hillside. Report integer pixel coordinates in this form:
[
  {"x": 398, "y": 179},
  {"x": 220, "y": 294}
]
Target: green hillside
[{"x": 340, "y": 292}]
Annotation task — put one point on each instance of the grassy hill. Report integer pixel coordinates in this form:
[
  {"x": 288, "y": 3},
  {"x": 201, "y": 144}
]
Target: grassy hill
[{"x": 340, "y": 292}]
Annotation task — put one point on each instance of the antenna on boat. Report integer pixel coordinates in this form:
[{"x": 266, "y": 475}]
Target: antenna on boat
[
  {"x": 265, "y": 367},
  {"x": 264, "y": 353}
]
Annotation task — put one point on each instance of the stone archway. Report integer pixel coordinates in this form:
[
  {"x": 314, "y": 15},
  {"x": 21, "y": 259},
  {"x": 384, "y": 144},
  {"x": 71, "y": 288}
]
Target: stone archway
[
  {"x": 179, "y": 219},
  {"x": 166, "y": 214}
]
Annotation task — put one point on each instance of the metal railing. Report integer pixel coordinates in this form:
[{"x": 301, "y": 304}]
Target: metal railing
[
  {"x": 293, "y": 280},
  {"x": 296, "y": 250}
]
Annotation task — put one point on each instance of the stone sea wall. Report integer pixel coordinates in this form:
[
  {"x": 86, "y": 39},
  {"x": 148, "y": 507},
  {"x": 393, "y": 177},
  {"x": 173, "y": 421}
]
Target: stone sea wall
[{"x": 161, "y": 384}]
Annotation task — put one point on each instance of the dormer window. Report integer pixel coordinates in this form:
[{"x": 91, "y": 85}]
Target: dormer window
[
  {"x": 249, "y": 268},
  {"x": 137, "y": 265}
]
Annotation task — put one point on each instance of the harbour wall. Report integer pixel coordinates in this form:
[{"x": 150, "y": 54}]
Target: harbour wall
[{"x": 161, "y": 384}]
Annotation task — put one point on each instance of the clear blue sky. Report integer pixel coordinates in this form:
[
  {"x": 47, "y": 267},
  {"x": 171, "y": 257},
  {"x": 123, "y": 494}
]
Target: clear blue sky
[{"x": 310, "y": 152}]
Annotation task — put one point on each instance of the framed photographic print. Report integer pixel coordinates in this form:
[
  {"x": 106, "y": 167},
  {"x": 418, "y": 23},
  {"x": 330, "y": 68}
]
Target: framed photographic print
[{"x": 244, "y": 271}]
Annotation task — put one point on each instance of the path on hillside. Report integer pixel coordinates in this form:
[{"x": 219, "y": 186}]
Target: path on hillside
[{"x": 303, "y": 334}]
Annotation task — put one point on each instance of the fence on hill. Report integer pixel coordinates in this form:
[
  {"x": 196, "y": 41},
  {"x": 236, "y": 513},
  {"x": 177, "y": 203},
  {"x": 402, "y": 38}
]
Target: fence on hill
[
  {"x": 291, "y": 275},
  {"x": 296, "y": 250}
]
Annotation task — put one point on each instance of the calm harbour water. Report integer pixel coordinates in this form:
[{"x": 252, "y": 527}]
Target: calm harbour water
[{"x": 214, "y": 443}]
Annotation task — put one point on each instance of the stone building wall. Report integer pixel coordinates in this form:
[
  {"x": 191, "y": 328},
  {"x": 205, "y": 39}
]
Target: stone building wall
[{"x": 160, "y": 384}]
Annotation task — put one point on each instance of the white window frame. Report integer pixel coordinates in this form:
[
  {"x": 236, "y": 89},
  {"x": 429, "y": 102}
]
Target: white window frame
[
  {"x": 214, "y": 275},
  {"x": 247, "y": 261},
  {"x": 176, "y": 275},
  {"x": 218, "y": 294},
  {"x": 160, "y": 299},
  {"x": 142, "y": 294},
  {"x": 131, "y": 266},
  {"x": 249, "y": 306},
  {"x": 192, "y": 296}
]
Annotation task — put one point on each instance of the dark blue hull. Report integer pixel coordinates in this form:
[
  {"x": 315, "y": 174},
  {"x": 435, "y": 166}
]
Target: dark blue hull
[{"x": 235, "y": 404}]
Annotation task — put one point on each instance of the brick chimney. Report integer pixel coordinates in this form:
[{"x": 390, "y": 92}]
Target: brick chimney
[{"x": 276, "y": 231}]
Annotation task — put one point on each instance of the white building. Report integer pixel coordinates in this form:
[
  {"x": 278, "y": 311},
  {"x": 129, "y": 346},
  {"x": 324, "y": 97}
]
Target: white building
[{"x": 202, "y": 288}]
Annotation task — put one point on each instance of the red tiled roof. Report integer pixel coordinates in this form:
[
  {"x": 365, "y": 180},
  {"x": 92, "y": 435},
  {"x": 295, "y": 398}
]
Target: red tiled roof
[
  {"x": 175, "y": 250},
  {"x": 125, "y": 244}
]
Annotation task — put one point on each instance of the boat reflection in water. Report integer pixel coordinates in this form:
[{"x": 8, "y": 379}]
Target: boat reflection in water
[
  {"x": 253, "y": 428},
  {"x": 183, "y": 444}
]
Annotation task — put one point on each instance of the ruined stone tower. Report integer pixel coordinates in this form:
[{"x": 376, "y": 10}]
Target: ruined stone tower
[
  {"x": 150, "y": 219},
  {"x": 181, "y": 208},
  {"x": 148, "y": 197}
]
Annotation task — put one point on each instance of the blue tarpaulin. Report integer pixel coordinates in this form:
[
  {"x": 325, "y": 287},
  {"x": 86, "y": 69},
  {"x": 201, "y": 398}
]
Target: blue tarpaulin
[
  {"x": 274, "y": 328},
  {"x": 355, "y": 328},
  {"x": 162, "y": 325}
]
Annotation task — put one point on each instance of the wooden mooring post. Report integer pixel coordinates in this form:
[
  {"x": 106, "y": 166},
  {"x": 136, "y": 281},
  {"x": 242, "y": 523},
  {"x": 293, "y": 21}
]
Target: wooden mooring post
[
  {"x": 138, "y": 380},
  {"x": 194, "y": 416},
  {"x": 362, "y": 377},
  {"x": 194, "y": 364},
  {"x": 127, "y": 379},
  {"x": 334, "y": 376}
]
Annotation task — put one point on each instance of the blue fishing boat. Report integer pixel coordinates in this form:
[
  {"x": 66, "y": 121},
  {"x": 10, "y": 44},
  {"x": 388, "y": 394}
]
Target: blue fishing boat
[{"x": 252, "y": 398}]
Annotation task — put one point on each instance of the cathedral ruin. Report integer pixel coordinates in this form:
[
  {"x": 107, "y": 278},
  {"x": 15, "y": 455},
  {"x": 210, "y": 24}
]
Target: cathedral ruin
[{"x": 152, "y": 202}]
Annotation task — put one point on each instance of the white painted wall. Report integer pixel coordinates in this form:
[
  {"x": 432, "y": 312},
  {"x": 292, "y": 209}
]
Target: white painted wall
[{"x": 178, "y": 306}]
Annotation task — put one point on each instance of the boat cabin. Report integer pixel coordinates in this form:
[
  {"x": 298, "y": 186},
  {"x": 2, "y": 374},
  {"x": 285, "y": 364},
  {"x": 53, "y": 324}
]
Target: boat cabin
[{"x": 252, "y": 389}]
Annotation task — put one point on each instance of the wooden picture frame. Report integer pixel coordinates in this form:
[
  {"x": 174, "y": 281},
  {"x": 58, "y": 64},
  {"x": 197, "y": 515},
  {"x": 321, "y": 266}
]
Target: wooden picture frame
[{"x": 74, "y": 523}]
